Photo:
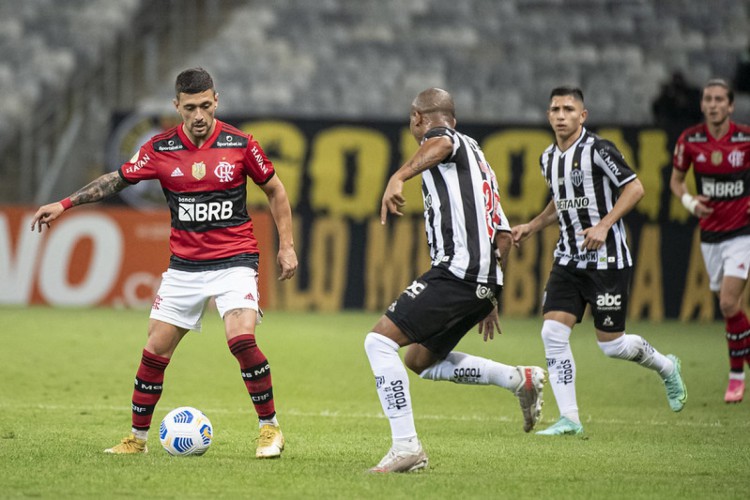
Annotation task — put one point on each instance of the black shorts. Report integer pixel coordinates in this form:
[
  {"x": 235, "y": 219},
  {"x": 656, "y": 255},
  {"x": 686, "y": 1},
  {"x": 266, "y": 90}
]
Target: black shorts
[
  {"x": 437, "y": 309},
  {"x": 607, "y": 291}
]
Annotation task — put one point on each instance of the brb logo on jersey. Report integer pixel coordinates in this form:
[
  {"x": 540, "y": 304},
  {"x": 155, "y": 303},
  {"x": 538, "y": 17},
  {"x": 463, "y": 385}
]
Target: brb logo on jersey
[
  {"x": 722, "y": 189},
  {"x": 190, "y": 211},
  {"x": 224, "y": 171}
]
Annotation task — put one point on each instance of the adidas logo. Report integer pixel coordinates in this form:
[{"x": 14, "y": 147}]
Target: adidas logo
[
  {"x": 701, "y": 158},
  {"x": 177, "y": 172}
]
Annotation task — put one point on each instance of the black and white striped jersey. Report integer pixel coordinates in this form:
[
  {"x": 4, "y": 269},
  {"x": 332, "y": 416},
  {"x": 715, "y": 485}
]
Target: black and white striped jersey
[
  {"x": 585, "y": 182},
  {"x": 462, "y": 211}
]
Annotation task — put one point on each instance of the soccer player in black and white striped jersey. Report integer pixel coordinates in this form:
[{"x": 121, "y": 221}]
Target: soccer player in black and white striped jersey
[
  {"x": 591, "y": 188},
  {"x": 469, "y": 240}
]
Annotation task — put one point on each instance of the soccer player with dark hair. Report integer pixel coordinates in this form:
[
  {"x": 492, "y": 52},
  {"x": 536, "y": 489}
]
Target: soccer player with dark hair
[
  {"x": 469, "y": 239},
  {"x": 719, "y": 152},
  {"x": 203, "y": 165},
  {"x": 591, "y": 188}
]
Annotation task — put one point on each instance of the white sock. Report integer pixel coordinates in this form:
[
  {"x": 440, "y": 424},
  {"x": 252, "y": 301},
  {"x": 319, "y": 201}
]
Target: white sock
[
  {"x": 268, "y": 421},
  {"x": 463, "y": 368},
  {"x": 392, "y": 383},
  {"x": 736, "y": 375},
  {"x": 140, "y": 434},
  {"x": 407, "y": 444},
  {"x": 561, "y": 367},
  {"x": 635, "y": 348}
]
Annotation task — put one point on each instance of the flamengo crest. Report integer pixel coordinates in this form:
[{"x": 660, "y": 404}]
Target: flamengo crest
[
  {"x": 224, "y": 171},
  {"x": 736, "y": 158}
]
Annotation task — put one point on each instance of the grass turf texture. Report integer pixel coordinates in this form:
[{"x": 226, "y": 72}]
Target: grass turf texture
[{"x": 67, "y": 380}]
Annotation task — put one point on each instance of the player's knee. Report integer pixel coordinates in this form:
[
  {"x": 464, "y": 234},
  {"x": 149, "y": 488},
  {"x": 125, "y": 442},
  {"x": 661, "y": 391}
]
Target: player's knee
[
  {"x": 374, "y": 343},
  {"x": 415, "y": 366},
  {"x": 729, "y": 306},
  {"x": 419, "y": 365},
  {"x": 418, "y": 358},
  {"x": 555, "y": 335},
  {"x": 617, "y": 348}
]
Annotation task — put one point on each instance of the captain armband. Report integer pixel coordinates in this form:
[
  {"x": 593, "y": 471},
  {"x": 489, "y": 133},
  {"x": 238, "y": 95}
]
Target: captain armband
[{"x": 66, "y": 203}]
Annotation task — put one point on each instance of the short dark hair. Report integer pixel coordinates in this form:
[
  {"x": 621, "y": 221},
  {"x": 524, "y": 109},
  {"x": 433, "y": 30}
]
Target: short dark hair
[
  {"x": 720, "y": 82},
  {"x": 193, "y": 81},
  {"x": 574, "y": 91}
]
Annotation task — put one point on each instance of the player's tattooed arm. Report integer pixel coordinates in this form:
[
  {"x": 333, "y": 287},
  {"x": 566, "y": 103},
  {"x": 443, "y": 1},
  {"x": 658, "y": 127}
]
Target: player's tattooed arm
[
  {"x": 99, "y": 189},
  {"x": 104, "y": 186},
  {"x": 430, "y": 153},
  {"x": 423, "y": 161}
]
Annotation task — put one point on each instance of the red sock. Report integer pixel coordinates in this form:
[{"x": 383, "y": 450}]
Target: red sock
[
  {"x": 738, "y": 339},
  {"x": 256, "y": 374},
  {"x": 148, "y": 387}
]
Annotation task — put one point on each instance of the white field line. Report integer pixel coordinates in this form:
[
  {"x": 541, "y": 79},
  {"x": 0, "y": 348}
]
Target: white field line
[{"x": 366, "y": 415}]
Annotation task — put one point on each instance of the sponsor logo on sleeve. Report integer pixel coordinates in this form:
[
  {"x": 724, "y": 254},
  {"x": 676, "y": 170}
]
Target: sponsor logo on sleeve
[
  {"x": 609, "y": 162},
  {"x": 137, "y": 163},
  {"x": 259, "y": 159}
]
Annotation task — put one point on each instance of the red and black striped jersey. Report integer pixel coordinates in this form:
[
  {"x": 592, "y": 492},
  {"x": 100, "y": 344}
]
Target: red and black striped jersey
[
  {"x": 722, "y": 173},
  {"x": 205, "y": 188}
]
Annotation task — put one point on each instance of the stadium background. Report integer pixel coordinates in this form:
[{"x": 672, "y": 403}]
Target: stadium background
[{"x": 326, "y": 87}]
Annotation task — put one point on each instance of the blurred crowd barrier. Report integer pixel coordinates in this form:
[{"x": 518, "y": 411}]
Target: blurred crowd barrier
[{"x": 335, "y": 174}]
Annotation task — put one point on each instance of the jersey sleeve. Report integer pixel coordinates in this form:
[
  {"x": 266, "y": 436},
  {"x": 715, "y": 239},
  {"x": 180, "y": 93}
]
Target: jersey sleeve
[
  {"x": 141, "y": 166},
  {"x": 257, "y": 165},
  {"x": 443, "y": 132},
  {"x": 611, "y": 161},
  {"x": 681, "y": 159},
  {"x": 502, "y": 226}
]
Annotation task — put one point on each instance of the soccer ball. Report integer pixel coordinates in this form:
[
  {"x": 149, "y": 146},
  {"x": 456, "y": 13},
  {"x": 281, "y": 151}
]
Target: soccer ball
[{"x": 186, "y": 431}]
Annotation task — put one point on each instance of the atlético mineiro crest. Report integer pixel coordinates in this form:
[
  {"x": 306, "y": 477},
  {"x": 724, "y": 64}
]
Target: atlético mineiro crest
[{"x": 199, "y": 170}]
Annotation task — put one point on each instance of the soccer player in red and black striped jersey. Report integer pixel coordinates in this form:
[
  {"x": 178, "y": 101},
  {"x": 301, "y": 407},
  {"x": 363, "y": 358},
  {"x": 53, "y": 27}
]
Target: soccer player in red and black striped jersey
[
  {"x": 591, "y": 189},
  {"x": 203, "y": 166},
  {"x": 719, "y": 152}
]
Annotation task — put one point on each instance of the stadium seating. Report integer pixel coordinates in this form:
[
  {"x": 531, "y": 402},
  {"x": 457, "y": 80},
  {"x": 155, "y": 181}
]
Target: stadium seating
[
  {"x": 500, "y": 59},
  {"x": 368, "y": 58}
]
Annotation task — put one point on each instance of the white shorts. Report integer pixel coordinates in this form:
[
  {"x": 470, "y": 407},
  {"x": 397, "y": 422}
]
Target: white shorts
[
  {"x": 183, "y": 296},
  {"x": 727, "y": 258}
]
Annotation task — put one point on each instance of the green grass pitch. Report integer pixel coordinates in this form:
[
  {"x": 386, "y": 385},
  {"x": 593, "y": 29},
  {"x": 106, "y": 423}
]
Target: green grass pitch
[{"x": 67, "y": 378}]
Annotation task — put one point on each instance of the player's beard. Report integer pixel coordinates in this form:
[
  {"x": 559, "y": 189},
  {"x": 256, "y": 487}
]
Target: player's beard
[{"x": 200, "y": 130}]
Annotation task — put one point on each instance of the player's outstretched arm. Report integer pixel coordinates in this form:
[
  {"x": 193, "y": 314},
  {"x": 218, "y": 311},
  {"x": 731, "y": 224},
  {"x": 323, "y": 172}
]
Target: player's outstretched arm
[
  {"x": 97, "y": 190},
  {"x": 430, "y": 153},
  {"x": 522, "y": 232}
]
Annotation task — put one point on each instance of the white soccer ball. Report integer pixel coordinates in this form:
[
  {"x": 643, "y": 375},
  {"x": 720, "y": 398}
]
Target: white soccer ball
[{"x": 186, "y": 431}]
